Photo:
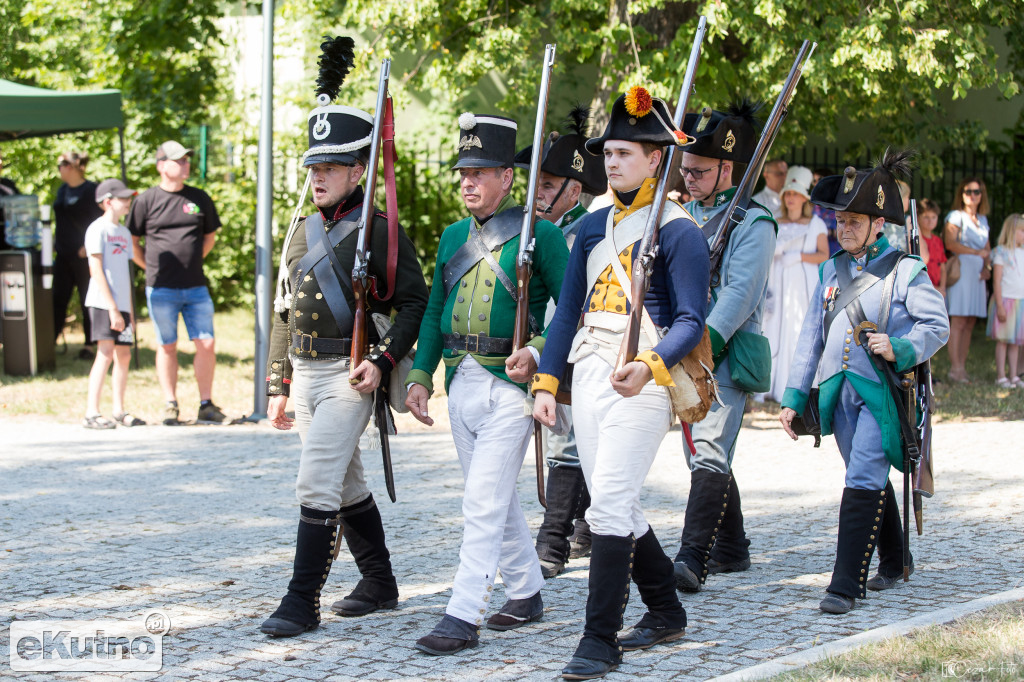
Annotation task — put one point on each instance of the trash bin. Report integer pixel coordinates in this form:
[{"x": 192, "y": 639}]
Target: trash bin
[{"x": 26, "y": 299}]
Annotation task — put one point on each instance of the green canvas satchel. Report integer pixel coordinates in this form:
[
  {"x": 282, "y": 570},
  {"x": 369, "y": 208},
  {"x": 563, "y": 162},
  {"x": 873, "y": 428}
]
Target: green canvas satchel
[{"x": 750, "y": 362}]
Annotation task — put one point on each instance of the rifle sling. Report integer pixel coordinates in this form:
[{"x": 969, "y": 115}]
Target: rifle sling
[
  {"x": 856, "y": 314},
  {"x": 325, "y": 265},
  {"x": 496, "y": 232}
]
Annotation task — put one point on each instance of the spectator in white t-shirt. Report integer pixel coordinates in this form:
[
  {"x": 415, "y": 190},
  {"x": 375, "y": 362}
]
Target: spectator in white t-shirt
[{"x": 108, "y": 244}]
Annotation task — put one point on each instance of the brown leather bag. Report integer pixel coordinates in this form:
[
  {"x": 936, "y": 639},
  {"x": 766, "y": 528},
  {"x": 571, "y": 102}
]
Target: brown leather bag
[
  {"x": 695, "y": 386},
  {"x": 952, "y": 269}
]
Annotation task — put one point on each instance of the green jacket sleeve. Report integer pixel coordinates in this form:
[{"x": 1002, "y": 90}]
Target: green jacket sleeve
[
  {"x": 430, "y": 344},
  {"x": 550, "y": 263}
]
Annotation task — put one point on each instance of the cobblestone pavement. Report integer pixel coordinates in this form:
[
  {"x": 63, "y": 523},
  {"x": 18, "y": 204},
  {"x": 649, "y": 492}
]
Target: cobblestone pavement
[{"x": 199, "y": 522}]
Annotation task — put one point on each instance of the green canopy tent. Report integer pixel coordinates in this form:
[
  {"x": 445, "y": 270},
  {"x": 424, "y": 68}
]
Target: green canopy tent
[{"x": 26, "y": 111}]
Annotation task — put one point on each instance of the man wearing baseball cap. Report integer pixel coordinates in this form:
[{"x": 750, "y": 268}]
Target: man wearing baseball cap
[{"x": 178, "y": 223}]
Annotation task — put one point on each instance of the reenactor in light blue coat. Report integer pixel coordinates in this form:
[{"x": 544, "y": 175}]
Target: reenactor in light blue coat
[
  {"x": 713, "y": 539},
  {"x": 870, "y": 285}
]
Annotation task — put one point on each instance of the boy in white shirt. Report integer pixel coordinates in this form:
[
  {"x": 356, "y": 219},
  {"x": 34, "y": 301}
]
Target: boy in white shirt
[{"x": 108, "y": 244}]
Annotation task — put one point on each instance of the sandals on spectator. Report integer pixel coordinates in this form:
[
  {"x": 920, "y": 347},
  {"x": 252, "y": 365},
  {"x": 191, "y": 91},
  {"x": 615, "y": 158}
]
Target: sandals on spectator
[
  {"x": 129, "y": 419},
  {"x": 1016, "y": 382},
  {"x": 1003, "y": 383},
  {"x": 98, "y": 421}
]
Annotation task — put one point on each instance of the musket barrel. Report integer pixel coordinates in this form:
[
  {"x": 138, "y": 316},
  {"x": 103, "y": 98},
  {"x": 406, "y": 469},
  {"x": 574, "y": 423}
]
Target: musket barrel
[
  {"x": 371, "y": 168},
  {"x": 536, "y": 153}
]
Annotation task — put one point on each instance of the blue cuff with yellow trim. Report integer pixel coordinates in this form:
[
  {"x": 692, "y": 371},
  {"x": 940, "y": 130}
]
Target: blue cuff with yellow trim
[
  {"x": 662, "y": 377},
  {"x": 795, "y": 399},
  {"x": 905, "y": 355},
  {"x": 544, "y": 382}
]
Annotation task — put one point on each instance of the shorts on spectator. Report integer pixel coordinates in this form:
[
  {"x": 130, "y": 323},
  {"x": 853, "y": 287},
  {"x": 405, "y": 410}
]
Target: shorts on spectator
[
  {"x": 101, "y": 331},
  {"x": 193, "y": 304}
]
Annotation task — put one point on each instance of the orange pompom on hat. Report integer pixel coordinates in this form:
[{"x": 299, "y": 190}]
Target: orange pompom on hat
[{"x": 638, "y": 117}]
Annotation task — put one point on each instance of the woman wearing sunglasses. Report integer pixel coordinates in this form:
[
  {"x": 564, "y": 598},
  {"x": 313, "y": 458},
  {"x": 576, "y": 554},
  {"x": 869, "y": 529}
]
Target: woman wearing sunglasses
[{"x": 966, "y": 235}]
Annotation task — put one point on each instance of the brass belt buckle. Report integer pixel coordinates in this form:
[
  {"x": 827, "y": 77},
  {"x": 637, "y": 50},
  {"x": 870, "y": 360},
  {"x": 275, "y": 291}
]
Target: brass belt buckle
[
  {"x": 476, "y": 339},
  {"x": 862, "y": 328},
  {"x": 302, "y": 345}
]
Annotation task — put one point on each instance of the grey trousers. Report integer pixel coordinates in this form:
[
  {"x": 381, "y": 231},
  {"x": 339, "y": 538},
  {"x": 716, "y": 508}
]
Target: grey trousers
[
  {"x": 715, "y": 436},
  {"x": 330, "y": 417}
]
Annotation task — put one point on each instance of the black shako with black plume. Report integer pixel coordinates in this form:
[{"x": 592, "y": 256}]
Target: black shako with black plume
[{"x": 336, "y": 60}]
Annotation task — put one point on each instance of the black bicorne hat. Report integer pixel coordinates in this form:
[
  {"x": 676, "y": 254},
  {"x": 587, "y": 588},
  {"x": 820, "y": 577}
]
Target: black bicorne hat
[
  {"x": 730, "y": 135},
  {"x": 486, "y": 141},
  {"x": 872, "y": 192},
  {"x": 337, "y": 134},
  {"x": 564, "y": 156},
  {"x": 638, "y": 117}
]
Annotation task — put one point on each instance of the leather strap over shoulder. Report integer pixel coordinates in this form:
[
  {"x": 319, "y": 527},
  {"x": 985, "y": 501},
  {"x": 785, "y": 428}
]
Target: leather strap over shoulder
[{"x": 498, "y": 231}]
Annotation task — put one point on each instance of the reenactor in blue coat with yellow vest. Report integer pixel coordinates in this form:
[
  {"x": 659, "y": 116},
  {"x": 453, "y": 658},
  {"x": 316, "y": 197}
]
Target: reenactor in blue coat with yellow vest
[
  {"x": 469, "y": 324},
  {"x": 867, "y": 286},
  {"x": 622, "y": 414},
  {"x": 713, "y": 539},
  {"x": 566, "y": 171}
]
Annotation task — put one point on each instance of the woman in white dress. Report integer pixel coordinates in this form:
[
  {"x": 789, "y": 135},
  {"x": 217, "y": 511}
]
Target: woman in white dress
[
  {"x": 966, "y": 235},
  {"x": 802, "y": 244}
]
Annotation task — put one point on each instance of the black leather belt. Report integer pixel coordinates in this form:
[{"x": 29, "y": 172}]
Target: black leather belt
[
  {"x": 306, "y": 343},
  {"x": 477, "y": 343}
]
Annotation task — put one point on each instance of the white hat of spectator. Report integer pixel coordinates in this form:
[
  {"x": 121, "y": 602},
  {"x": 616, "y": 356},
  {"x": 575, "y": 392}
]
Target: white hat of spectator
[{"x": 798, "y": 179}]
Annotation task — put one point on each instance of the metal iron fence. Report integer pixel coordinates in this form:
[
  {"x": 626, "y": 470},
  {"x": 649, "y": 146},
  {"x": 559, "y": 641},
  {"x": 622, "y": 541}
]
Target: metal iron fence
[{"x": 1000, "y": 171}]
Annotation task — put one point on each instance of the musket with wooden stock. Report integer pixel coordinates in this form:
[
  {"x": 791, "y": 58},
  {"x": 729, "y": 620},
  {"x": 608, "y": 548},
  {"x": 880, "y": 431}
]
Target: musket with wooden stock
[
  {"x": 923, "y": 482},
  {"x": 360, "y": 272},
  {"x": 643, "y": 265},
  {"x": 736, "y": 210},
  {"x": 524, "y": 260}
]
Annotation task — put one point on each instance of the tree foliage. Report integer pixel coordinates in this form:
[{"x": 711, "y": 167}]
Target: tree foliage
[{"x": 889, "y": 64}]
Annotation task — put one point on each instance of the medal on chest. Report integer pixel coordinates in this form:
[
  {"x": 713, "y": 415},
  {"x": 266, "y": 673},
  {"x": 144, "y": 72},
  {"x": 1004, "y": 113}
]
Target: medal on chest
[{"x": 831, "y": 293}]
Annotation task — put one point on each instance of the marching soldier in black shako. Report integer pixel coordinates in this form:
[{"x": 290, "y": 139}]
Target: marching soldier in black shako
[
  {"x": 567, "y": 170},
  {"x": 310, "y": 345}
]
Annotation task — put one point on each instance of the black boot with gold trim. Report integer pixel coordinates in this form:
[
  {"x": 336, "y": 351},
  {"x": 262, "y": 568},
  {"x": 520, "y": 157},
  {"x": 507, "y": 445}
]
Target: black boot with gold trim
[
  {"x": 315, "y": 549},
  {"x": 705, "y": 510},
  {"x": 364, "y": 535},
  {"x": 860, "y": 521}
]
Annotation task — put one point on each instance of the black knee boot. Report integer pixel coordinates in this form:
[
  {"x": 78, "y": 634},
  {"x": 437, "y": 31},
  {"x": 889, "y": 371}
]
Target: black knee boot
[
  {"x": 564, "y": 491},
  {"x": 364, "y": 534},
  {"x": 705, "y": 510},
  {"x": 315, "y": 546},
  {"x": 665, "y": 620},
  {"x": 731, "y": 552},
  {"x": 890, "y": 545},
  {"x": 611, "y": 562},
  {"x": 860, "y": 515},
  {"x": 579, "y": 543}
]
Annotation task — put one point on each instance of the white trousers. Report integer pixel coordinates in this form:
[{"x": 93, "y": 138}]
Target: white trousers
[
  {"x": 617, "y": 439},
  {"x": 491, "y": 432},
  {"x": 330, "y": 417}
]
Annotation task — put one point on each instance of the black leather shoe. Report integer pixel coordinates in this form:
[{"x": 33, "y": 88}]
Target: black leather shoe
[
  {"x": 444, "y": 646},
  {"x": 586, "y": 669},
  {"x": 279, "y": 627},
  {"x": 645, "y": 638},
  {"x": 881, "y": 582},
  {"x": 517, "y": 612},
  {"x": 837, "y": 603},
  {"x": 686, "y": 580},
  {"x": 549, "y": 569},
  {"x": 730, "y": 567},
  {"x": 349, "y": 607}
]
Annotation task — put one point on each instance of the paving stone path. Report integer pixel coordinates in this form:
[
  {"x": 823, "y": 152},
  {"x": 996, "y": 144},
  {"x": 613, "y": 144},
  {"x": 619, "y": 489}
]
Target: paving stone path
[{"x": 199, "y": 522}]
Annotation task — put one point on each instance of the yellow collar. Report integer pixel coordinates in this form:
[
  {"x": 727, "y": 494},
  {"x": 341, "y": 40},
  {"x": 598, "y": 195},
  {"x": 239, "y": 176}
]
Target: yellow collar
[{"x": 643, "y": 198}]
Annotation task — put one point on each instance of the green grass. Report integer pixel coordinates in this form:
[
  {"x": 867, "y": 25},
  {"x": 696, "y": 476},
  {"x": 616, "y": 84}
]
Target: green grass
[
  {"x": 984, "y": 646},
  {"x": 61, "y": 394}
]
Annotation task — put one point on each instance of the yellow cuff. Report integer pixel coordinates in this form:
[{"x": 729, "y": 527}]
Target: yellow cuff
[
  {"x": 658, "y": 368},
  {"x": 544, "y": 382}
]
